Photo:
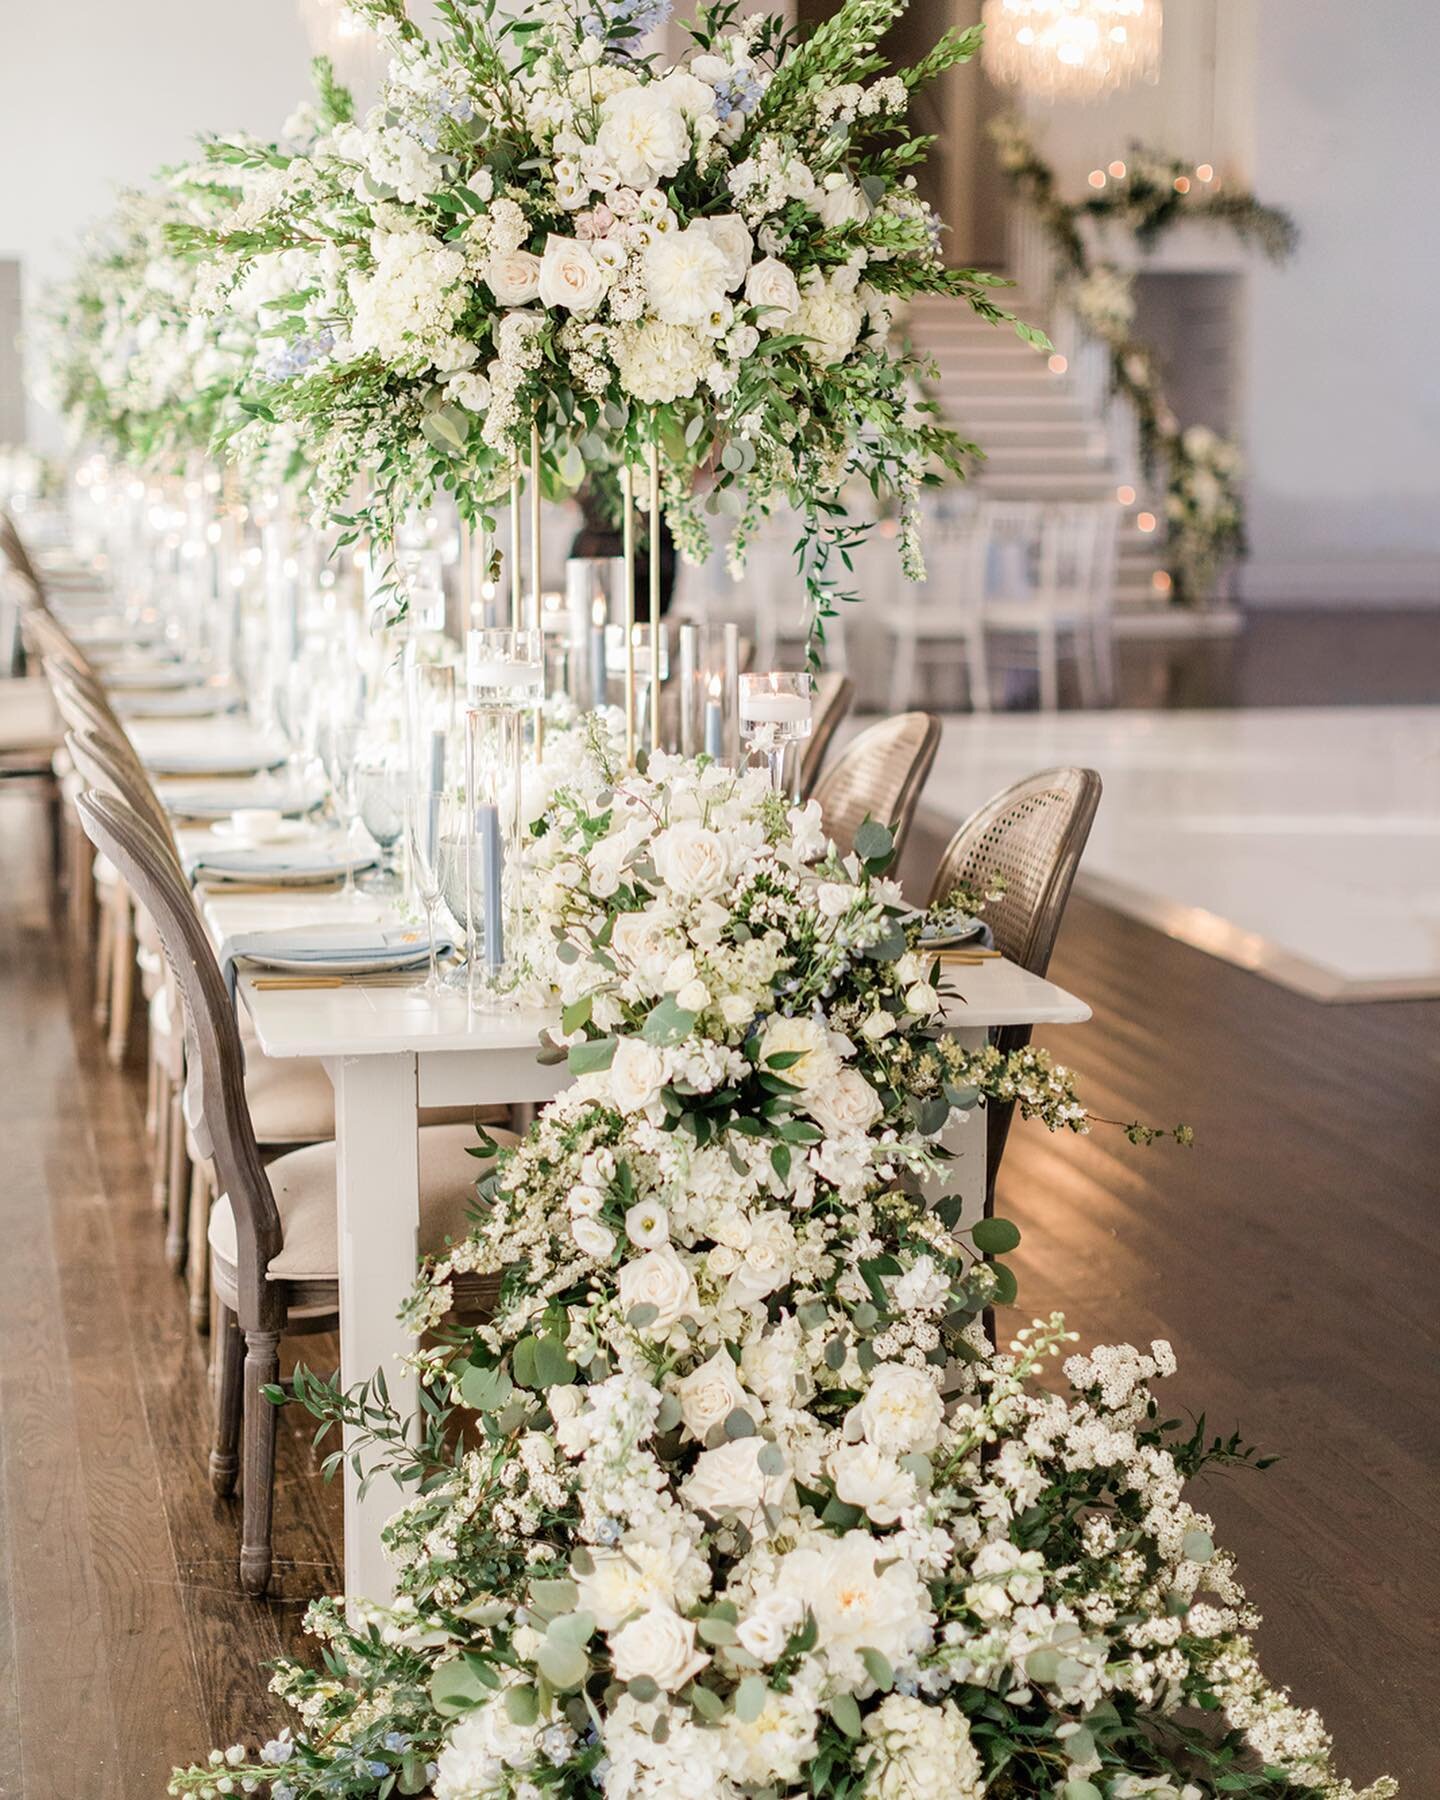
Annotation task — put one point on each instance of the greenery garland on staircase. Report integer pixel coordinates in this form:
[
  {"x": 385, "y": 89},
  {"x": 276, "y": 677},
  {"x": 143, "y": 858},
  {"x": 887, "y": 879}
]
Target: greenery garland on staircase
[{"x": 1204, "y": 505}]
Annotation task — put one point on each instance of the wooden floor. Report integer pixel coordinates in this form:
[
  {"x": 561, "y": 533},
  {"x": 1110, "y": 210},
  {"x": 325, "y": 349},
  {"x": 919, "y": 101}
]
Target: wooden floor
[{"x": 1291, "y": 1258}]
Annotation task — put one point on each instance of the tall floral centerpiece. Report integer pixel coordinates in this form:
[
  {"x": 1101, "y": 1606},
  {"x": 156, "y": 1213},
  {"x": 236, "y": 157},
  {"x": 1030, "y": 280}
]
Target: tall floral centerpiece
[
  {"x": 728, "y": 1496},
  {"x": 545, "y": 244}
]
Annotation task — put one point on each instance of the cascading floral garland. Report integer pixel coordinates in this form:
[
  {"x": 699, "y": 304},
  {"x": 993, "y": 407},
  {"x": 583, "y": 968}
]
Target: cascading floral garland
[
  {"x": 726, "y": 1495},
  {"x": 1204, "y": 506}
]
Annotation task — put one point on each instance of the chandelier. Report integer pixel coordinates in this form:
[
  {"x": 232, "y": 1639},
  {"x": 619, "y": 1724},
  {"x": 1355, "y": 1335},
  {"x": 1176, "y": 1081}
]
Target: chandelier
[
  {"x": 1071, "y": 49},
  {"x": 353, "y": 49}
]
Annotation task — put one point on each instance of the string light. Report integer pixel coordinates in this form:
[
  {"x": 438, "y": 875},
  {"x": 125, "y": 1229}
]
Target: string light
[
  {"x": 1057, "y": 364},
  {"x": 1145, "y": 521},
  {"x": 1204, "y": 172},
  {"x": 1097, "y": 178},
  {"x": 1117, "y": 169},
  {"x": 1125, "y": 495},
  {"x": 1161, "y": 581},
  {"x": 1182, "y": 184},
  {"x": 1072, "y": 49}
]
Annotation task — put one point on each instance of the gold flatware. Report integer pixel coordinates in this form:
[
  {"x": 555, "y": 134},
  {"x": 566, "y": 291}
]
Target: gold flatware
[
  {"x": 211, "y": 888},
  {"x": 305, "y": 983},
  {"x": 960, "y": 954}
]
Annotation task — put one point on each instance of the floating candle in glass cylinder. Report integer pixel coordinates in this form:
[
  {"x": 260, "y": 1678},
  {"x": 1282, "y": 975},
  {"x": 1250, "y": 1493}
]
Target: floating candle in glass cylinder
[{"x": 775, "y": 712}]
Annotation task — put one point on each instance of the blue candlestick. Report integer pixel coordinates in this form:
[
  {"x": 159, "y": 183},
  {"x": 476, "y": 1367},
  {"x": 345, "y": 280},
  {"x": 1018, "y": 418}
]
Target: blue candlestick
[
  {"x": 492, "y": 861},
  {"x": 714, "y": 730}
]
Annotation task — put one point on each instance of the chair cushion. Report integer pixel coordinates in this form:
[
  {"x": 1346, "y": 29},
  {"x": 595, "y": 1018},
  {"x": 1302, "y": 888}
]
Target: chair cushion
[
  {"x": 291, "y": 1099},
  {"x": 27, "y": 716},
  {"x": 304, "y": 1187}
]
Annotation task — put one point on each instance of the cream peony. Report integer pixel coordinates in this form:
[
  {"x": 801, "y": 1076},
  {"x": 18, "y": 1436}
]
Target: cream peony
[
  {"x": 648, "y": 1572},
  {"x": 776, "y": 1743},
  {"x": 659, "y": 1644},
  {"x": 570, "y": 276},
  {"x": 730, "y": 1479},
  {"x": 708, "y": 1395},
  {"x": 643, "y": 134},
  {"x": 901, "y": 1410},
  {"x": 637, "y": 1075},
  {"x": 771, "y": 285},
  {"x": 921, "y": 1751},
  {"x": 659, "y": 1279},
  {"x": 817, "y": 1064},
  {"x": 685, "y": 276},
  {"x": 692, "y": 860},
  {"x": 513, "y": 279},
  {"x": 862, "y": 1596},
  {"x": 844, "y": 1106},
  {"x": 731, "y": 236},
  {"x": 868, "y": 1478}
]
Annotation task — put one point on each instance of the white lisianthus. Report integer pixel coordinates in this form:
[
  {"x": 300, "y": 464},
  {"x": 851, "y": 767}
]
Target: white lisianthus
[
  {"x": 513, "y": 278},
  {"x": 769, "y": 1625},
  {"x": 658, "y": 362},
  {"x": 592, "y": 1237},
  {"x": 470, "y": 391},
  {"x": 570, "y": 276},
  {"x": 731, "y": 236},
  {"x": 708, "y": 1395},
  {"x": 637, "y": 1074},
  {"x": 807, "y": 1040},
  {"x": 921, "y": 1751},
  {"x": 844, "y": 1106},
  {"x": 643, "y": 134},
  {"x": 659, "y": 1279},
  {"x": 771, "y": 285},
  {"x": 901, "y": 1410},
  {"x": 730, "y": 1479},
  {"x": 691, "y": 860},
  {"x": 647, "y": 1224},
  {"x": 659, "y": 1644},
  {"x": 868, "y": 1478},
  {"x": 685, "y": 276}
]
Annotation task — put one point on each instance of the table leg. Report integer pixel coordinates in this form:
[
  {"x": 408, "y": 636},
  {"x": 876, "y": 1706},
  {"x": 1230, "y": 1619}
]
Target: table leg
[{"x": 378, "y": 1192}]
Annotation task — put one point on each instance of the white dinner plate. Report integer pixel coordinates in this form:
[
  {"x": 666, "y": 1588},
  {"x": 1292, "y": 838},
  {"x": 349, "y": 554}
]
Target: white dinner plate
[{"x": 225, "y": 831}]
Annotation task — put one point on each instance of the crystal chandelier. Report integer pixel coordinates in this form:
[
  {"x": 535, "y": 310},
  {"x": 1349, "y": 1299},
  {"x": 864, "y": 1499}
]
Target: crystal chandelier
[
  {"x": 336, "y": 32},
  {"x": 1071, "y": 49}
]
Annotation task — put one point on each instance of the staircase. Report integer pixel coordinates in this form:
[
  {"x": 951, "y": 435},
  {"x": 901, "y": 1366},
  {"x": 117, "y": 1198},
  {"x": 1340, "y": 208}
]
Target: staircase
[{"x": 1044, "y": 435}]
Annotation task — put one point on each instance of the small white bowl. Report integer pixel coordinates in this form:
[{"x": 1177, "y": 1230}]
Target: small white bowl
[{"x": 255, "y": 824}]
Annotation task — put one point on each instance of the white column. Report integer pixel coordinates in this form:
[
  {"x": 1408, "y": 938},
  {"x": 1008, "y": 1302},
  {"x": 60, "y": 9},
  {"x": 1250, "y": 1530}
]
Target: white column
[{"x": 378, "y": 1194}]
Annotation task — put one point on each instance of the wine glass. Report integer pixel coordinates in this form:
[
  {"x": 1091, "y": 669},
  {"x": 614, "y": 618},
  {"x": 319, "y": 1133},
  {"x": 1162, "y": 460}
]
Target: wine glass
[
  {"x": 380, "y": 786},
  {"x": 341, "y": 748},
  {"x": 776, "y": 712},
  {"x": 428, "y": 811}
]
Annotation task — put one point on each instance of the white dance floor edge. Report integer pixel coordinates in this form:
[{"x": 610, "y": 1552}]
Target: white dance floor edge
[{"x": 1300, "y": 843}]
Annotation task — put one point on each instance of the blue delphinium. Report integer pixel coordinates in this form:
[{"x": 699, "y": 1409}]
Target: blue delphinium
[
  {"x": 287, "y": 360},
  {"x": 636, "y": 17},
  {"x": 739, "y": 92}
]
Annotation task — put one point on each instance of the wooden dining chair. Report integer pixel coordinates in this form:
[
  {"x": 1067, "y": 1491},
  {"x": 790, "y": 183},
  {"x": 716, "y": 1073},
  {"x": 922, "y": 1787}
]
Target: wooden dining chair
[
  {"x": 879, "y": 775},
  {"x": 273, "y": 1233},
  {"x": 1027, "y": 841},
  {"x": 834, "y": 696}
]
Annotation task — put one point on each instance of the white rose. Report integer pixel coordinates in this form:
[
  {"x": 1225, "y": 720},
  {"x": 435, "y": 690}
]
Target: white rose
[
  {"x": 730, "y": 1479},
  {"x": 736, "y": 1009},
  {"x": 901, "y": 1410},
  {"x": 643, "y": 134},
  {"x": 470, "y": 391},
  {"x": 647, "y": 1225},
  {"x": 709, "y": 1394},
  {"x": 808, "y": 1041},
  {"x": 640, "y": 941},
  {"x": 637, "y": 1075},
  {"x": 879, "y": 1025},
  {"x": 592, "y": 1237},
  {"x": 768, "y": 1364},
  {"x": 661, "y": 1280},
  {"x": 693, "y": 996},
  {"x": 766, "y": 1261},
  {"x": 685, "y": 276},
  {"x": 845, "y": 1106},
  {"x": 692, "y": 860},
  {"x": 835, "y": 898},
  {"x": 570, "y": 276},
  {"x": 868, "y": 1478},
  {"x": 659, "y": 1644},
  {"x": 921, "y": 999},
  {"x": 771, "y": 285},
  {"x": 769, "y": 1625},
  {"x": 514, "y": 280},
  {"x": 731, "y": 236}
]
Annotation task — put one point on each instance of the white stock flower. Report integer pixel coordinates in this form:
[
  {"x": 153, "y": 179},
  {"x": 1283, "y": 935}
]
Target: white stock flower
[
  {"x": 873, "y": 1481},
  {"x": 514, "y": 277},
  {"x": 922, "y": 1750},
  {"x": 900, "y": 1410},
  {"x": 685, "y": 276},
  {"x": 771, "y": 285},
  {"x": 570, "y": 276},
  {"x": 731, "y": 1479},
  {"x": 637, "y": 1074},
  {"x": 643, "y": 134},
  {"x": 708, "y": 1395},
  {"x": 659, "y": 1279},
  {"x": 659, "y": 1644},
  {"x": 692, "y": 860},
  {"x": 844, "y": 1106}
]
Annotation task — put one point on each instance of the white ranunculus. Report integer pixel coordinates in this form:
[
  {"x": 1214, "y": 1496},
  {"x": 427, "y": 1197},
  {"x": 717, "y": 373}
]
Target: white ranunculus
[
  {"x": 845, "y": 1106},
  {"x": 769, "y": 1625},
  {"x": 659, "y": 1279},
  {"x": 685, "y": 276},
  {"x": 592, "y": 1237},
  {"x": 513, "y": 279},
  {"x": 868, "y": 1478},
  {"x": 647, "y": 1224},
  {"x": 637, "y": 1075},
  {"x": 708, "y": 1395},
  {"x": 731, "y": 236},
  {"x": 901, "y": 1409},
  {"x": 659, "y": 1644},
  {"x": 771, "y": 285},
  {"x": 692, "y": 860},
  {"x": 643, "y": 134},
  {"x": 730, "y": 1479},
  {"x": 570, "y": 276},
  {"x": 808, "y": 1040}
]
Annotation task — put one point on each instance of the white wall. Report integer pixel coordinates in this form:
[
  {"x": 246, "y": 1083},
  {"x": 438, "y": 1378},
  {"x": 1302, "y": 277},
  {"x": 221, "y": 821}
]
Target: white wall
[{"x": 96, "y": 94}]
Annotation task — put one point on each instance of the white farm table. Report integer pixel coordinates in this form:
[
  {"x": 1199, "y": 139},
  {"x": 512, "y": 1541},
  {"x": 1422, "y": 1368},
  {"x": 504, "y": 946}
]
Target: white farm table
[{"x": 390, "y": 1051}]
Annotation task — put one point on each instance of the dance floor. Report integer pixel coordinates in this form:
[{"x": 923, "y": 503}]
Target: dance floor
[{"x": 1300, "y": 842}]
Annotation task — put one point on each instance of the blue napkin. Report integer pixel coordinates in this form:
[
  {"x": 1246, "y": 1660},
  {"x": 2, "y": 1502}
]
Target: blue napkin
[
  {"x": 264, "y": 861},
  {"x": 394, "y": 947}
]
